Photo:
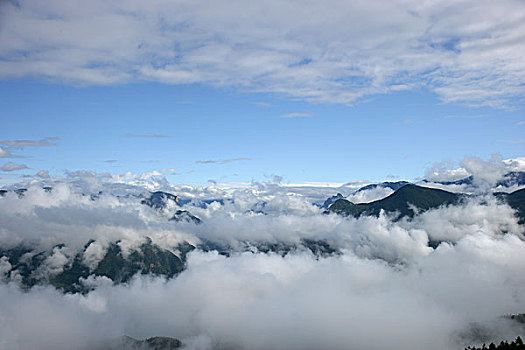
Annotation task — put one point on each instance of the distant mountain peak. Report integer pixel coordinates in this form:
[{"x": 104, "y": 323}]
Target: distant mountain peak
[
  {"x": 400, "y": 202},
  {"x": 328, "y": 202},
  {"x": 160, "y": 199},
  {"x": 387, "y": 184}
]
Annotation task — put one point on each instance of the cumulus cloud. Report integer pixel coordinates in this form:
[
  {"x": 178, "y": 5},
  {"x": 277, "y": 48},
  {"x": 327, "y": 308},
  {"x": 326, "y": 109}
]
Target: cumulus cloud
[
  {"x": 10, "y": 166},
  {"x": 467, "y": 52},
  {"x": 516, "y": 164},
  {"x": 484, "y": 174},
  {"x": 442, "y": 172}
]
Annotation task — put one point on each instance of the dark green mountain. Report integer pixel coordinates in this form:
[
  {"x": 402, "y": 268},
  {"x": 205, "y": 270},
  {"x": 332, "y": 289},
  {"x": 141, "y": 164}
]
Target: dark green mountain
[
  {"x": 328, "y": 202},
  {"x": 392, "y": 185},
  {"x": 28, "y": 264},
  {"x": 185, "y": 216},
  {"x": 423, "y": 199},
  {"x": 400, "y": 202},
  {"x": 148, "y": 258},
  {"x": 159, "y": 199}
]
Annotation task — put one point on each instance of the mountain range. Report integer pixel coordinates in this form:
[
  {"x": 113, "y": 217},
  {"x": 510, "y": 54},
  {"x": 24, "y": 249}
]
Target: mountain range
[
  {"x": 410, "y": 200},
  {"x": 27, "y": 262}
]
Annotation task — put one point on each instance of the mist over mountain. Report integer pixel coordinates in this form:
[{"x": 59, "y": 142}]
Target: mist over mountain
[{"x": 87, "y": 260}]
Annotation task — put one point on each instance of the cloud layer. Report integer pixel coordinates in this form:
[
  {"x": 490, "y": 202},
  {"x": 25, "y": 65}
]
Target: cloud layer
[
  {"x": 383, "y": 288},
  {"x": 335, "y": 51}
]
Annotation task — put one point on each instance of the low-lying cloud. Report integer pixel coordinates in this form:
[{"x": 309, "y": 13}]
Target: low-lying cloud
[
  {"x": 385, "y": 287},
  {"x": 266, "y": 301}
]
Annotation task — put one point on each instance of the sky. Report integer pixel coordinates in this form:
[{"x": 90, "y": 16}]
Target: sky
[{"x": 232, "y": 91}]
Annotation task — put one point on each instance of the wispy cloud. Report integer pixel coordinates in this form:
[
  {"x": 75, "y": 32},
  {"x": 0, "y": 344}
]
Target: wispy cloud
[
  {"x": 466, "y": 116},
  {"x": 47, "y": 141},
  {"x": 111, "y": 161},
  {"x": 296, "y": 115},
  {"x": 151, "y": 136},
  {"x": 520, "y": 123},
  {"x": 224, "y": 161},
  {"x": 262, "y": 104},
  {"x": 10, "y": 166},
  {"x": 461, "y": 51},
  {"x": 516, "y": 141},
  {"x": 409, "y": 121},
  {"x": 4, "y": 153}
]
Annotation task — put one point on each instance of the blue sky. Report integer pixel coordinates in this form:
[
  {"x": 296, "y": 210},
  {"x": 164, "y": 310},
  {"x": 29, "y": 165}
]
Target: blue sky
[{"x": 212, "y": 95}]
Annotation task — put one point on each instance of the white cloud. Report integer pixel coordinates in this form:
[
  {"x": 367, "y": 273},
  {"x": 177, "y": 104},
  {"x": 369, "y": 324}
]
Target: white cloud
[
  {"x": 224, "y": 161},
  {"x": 370, "y": 195},
  {"x": 47, "y": 141},
  {"x": 337, "y": 51},
  {"x": 266, "y": 301},
  {"x": 10, "y": 166},
  {"x": 296, "y": 115},
  {"x": 150, "y": 136},
  {"x": 262, "y": 104},
  {"x": 443, "y": 171},
  {"x": 4, "y": 153},
  {"x": 485, "y": 173},
  {"x": 516, "y": 164}
]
